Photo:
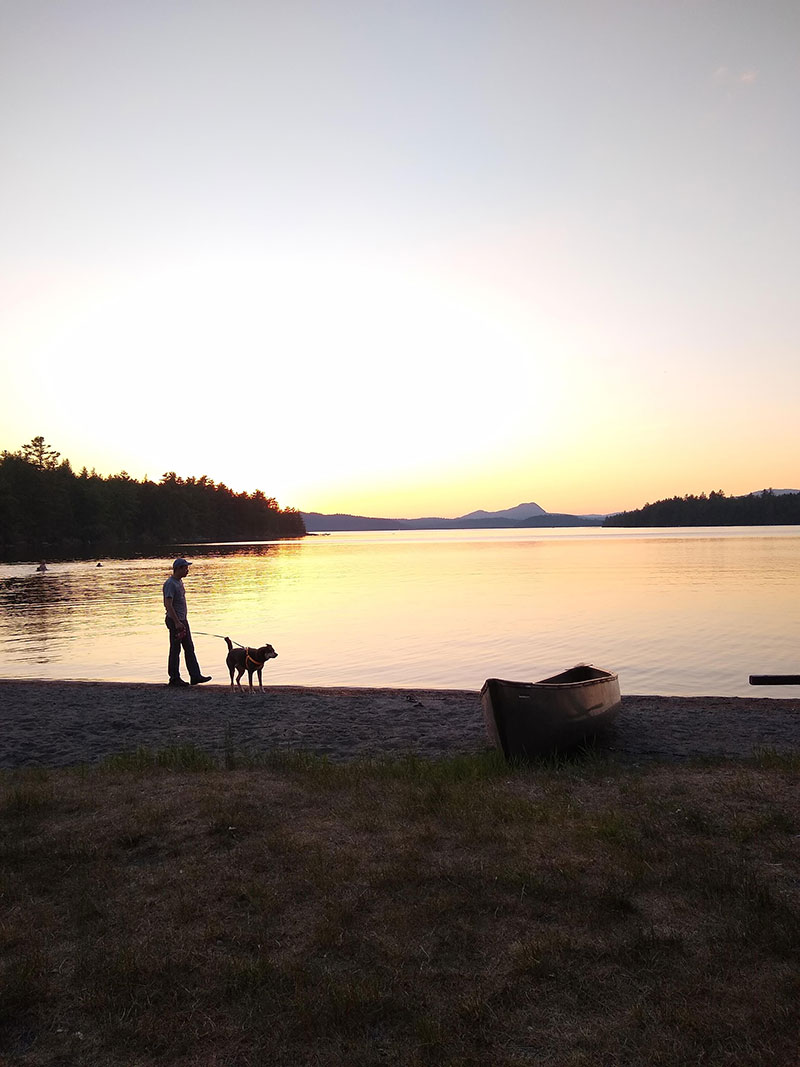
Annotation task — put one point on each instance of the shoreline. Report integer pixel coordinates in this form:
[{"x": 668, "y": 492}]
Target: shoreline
[{"x": 68, "y": 723}]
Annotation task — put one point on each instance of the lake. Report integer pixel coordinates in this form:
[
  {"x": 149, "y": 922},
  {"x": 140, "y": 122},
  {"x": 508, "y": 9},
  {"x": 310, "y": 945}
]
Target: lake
[{"x": 674, "y": 611}]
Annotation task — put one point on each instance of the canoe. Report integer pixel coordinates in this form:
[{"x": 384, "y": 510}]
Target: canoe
[{"x": 539, "y": 718}]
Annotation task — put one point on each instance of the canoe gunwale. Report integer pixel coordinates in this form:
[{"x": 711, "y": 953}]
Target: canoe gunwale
[
  {"x": 566, "y": 685},
  {"x": 549, "y": 684}
]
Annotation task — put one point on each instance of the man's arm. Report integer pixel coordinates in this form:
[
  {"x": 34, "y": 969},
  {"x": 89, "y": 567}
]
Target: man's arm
[
  {"x": 171, "y": 610},
  {"x": 171, "y": 614}
]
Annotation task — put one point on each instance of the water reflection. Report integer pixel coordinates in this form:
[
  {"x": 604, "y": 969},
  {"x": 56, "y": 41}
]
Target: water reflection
[
  {"x": 673, "y": 611},
  {"x": 80, "y": 621}
]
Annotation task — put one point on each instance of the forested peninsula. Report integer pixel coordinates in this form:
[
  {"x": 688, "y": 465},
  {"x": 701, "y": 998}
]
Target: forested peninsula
[
  {"x": 46, "y": 509},
  {"x": 767, "y": 508}
]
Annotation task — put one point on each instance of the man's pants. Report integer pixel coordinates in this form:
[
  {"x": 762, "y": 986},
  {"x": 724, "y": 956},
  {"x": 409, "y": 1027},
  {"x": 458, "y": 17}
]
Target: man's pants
[{"x": 175, "y": 645}]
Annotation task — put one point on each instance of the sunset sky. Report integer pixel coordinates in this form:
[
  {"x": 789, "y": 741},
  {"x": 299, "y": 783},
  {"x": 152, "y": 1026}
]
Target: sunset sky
[{"x": 405, "y": 258}]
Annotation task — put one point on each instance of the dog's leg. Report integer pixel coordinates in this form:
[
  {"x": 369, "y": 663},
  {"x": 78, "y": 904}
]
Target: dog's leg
[
  {"x": 239, "y": 677},
  {"x": 260, "y": 683}
]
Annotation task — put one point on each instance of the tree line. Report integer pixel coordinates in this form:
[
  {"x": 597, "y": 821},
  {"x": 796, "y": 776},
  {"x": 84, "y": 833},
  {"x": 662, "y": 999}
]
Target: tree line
[
  {"x": 715, "y": 509},
  {"x": 46, "y": 508}
]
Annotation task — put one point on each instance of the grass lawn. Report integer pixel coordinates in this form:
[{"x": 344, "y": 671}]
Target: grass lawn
[{"x": 163, "y": 910}]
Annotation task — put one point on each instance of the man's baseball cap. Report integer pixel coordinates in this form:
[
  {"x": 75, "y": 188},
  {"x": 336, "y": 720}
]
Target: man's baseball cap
[{"x": 181, "y": 563}]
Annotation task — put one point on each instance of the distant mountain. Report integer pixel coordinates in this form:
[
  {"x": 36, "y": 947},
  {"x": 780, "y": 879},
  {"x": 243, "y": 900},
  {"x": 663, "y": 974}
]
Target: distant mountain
[
  {"x": 522, "y": 516},
  {"x": 774, "y": 492},
  {"x": 517, "y": 514}
]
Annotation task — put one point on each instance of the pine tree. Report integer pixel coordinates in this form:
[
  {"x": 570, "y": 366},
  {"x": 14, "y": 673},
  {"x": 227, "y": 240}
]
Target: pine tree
[{"x": 39, "y": 453}]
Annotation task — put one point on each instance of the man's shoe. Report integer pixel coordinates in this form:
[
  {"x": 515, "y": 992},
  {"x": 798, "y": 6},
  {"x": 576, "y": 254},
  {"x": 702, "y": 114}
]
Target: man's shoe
[
  {"x": 202, "y": 678},
  {"x": 177, "y": 681}
]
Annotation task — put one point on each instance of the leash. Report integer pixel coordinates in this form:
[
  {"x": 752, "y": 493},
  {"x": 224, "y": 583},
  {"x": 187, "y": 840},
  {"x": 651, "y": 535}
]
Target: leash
[
  {"x": 247, "y": 651},
  {"x": 203, "y": 634}
]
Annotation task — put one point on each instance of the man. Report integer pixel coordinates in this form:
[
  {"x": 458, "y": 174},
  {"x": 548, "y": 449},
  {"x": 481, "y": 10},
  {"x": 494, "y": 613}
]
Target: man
[{"x": 180, "y": 636}]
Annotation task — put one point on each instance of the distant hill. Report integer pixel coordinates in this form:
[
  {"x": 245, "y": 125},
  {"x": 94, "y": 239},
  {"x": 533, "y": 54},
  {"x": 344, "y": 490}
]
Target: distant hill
[
  {"x": 316, "y": 522},
  {"x": 522, "y": 516},
  {"x": 517, "y": 514},
  {"x": 762, "y": 507}
]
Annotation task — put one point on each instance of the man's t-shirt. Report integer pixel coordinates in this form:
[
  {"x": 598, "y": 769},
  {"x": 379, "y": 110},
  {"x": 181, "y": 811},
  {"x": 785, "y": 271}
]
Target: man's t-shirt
[{"x": 174, "y": 587}]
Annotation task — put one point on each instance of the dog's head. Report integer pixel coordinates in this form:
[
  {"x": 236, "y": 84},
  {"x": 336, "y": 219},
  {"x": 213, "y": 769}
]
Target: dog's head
[{"x": 267, "y": 652}]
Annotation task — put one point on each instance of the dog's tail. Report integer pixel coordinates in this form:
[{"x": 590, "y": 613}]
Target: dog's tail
[{"x": 228, "y": 642}]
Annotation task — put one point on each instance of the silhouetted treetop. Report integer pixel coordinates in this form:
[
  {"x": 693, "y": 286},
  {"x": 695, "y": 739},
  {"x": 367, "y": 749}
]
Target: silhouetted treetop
[
  {"x": 765, "y": 508},
  {"x": 40, "y": 454},
  {"x": 44, "y": 503}
]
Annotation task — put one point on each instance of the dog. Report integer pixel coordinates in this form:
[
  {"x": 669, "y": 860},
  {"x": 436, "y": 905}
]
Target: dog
[{"x": 248, "y": 659}]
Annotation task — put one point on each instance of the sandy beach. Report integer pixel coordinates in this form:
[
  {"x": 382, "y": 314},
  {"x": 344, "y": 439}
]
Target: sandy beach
[{"x": 58, "y": 724}]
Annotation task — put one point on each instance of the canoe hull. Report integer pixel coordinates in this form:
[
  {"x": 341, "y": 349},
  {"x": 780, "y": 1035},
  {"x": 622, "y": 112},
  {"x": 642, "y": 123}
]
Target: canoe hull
[{"x": 527, "y": 719}]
